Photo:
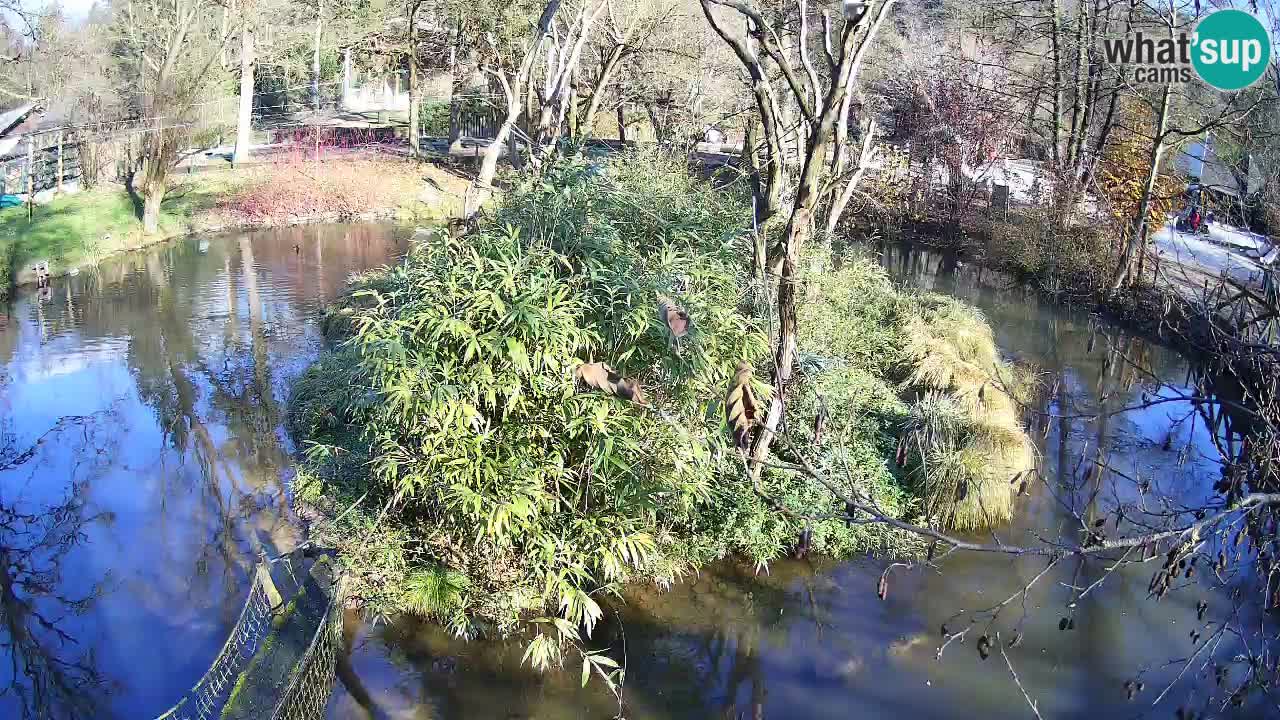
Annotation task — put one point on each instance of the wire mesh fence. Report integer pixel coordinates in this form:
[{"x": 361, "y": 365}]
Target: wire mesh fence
[
  {"x": 311, "y": 683},
  {"x": 205, "y": 699}
]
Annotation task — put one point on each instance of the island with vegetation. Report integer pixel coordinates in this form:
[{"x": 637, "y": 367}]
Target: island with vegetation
[{"x": 516, "y": 421}]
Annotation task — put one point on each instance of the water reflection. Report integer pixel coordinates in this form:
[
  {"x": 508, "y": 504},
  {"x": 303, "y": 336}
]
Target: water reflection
[
  {"x": 142, "y": 459},
  {"x": 48, "y": 673},
  {"x": 811, "y": 640}
]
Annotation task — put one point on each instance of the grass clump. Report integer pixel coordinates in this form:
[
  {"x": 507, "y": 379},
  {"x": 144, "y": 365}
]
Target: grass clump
[
  {"x": 964, "y": 435},
  {"x": 916, "y": 377}
]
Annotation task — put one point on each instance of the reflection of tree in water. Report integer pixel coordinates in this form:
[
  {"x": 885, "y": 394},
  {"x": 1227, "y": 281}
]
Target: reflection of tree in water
[
  {"x": 695, "y": 652},
  {"x": 194, "y": 387},
  {"x": 46, "y": 672},
  {"x": 703, "y": 648}
]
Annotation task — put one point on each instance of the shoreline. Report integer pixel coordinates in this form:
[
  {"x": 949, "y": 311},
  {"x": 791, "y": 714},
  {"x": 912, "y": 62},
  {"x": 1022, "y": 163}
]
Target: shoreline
[
  {"x": 1139, "y": 309},
  {"x": 79, "y": 230},
  {"x": 24, "y": 278},
  {"x": 1158, "y": 314}
]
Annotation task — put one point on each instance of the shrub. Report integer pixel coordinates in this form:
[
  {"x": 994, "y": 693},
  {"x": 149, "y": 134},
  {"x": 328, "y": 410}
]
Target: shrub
[
  {"x": 484, "y": 471},
  {"x": 1031, "y": 244},
  {"x": 455, "y": 397},
  {"x": 433, "y": 119}
]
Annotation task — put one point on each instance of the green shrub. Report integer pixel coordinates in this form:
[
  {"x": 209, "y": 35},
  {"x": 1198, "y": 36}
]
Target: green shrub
[
  {"x": 455, "y": 398},
  {"x": 479, "y": 481},
  {"x": 433, "y": 119},
  {"x": 959, "y": 440}
]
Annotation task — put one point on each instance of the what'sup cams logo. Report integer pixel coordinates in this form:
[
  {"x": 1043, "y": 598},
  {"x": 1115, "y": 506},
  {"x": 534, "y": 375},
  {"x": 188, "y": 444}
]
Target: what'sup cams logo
[{"x": 1228, "y": 50}]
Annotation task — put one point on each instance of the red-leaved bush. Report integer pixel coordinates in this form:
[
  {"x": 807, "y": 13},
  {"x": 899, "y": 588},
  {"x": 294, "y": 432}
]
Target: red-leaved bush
[{"x": 297, "y": 189}]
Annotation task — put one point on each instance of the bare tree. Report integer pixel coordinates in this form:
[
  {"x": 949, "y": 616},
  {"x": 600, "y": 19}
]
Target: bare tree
[
  {"x": 168, "y": 48},
  {"x": 244, "y": 113},
  {"x": 415, "y": 99},
  {"x": 514, "y": 82},
  {"x": 820, "y": 107},
  {"x": 564, "y": 52},
  {"x": 632, "y": 28}
]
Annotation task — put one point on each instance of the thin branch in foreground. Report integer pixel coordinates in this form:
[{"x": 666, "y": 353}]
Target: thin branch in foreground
[{"x": 1009, "y": 664}]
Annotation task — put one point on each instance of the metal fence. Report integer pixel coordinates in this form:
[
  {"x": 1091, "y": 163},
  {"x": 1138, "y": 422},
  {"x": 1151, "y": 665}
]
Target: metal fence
[
  {"x": 473, "y": 122},
  {"x": 44, "y": 161},
  {"x": 311, "y": 683},
  {"x": 205, "y": 699}
]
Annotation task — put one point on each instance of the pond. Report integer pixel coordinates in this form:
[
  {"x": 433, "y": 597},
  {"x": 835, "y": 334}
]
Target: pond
[
  {"x": 143, "y": 451},
  {"x": 143, "y": 462}
]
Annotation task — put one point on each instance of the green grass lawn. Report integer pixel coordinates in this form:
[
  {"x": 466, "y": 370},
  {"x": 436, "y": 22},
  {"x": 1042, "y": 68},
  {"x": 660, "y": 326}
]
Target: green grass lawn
[{"x": 77, "y": 230}]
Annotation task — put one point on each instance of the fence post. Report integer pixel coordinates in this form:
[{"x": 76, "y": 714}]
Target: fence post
[
  {"x": 269, "y": 586},
  {"x": 59, "y": 191},
  {"x": 31, "y": 180}
]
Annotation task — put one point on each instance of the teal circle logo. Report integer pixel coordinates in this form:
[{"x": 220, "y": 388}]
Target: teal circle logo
[{"x": 1232, "y": 49}]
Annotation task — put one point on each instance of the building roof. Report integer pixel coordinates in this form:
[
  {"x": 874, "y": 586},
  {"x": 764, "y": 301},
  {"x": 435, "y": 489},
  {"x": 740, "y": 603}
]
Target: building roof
[
  {"x": 1199, "y": 161},
  {"x": 11, "y": 118}
]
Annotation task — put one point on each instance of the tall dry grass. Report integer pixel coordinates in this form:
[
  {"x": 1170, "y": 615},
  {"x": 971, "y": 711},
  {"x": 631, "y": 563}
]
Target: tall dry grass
[{"x": 964, "y": 435}]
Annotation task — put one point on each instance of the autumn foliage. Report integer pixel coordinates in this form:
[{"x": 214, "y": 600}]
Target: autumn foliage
[{"x": 1122, "y": 177}]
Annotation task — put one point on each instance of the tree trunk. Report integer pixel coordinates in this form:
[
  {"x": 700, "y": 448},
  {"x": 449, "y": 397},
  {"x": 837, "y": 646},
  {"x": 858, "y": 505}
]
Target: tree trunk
[
  {"x": 573, "y": 116},
  {"x": 244, "y": 126},
  {"x": 1138, "y": 236},
  {"x": 842, "y": 200},
  {"x": 800, "y": 223},
  {"x": 1077, "y": 92},
  {"x": 315, "y": 60},
  {"x": 152, "y": 195},
  {"x": 1108, "y": 121},
  {"x": 1055, "y": 46},
  {"x": 751, "y": 160},
  {"x": 602, "y": 82},
  {"x": 455, "y": 85},
  {"x": 530, "y": 108},
  {"x": 489, "y": 163},
  {"x": 415, "y": 109},
  {"x": 513, "y": 91},
  {"x": 622, "y": 122}
]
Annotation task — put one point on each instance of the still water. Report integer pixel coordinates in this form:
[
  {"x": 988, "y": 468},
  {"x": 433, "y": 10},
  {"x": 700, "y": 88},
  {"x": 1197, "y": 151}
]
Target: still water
[{"x": 142, "y": 453}]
